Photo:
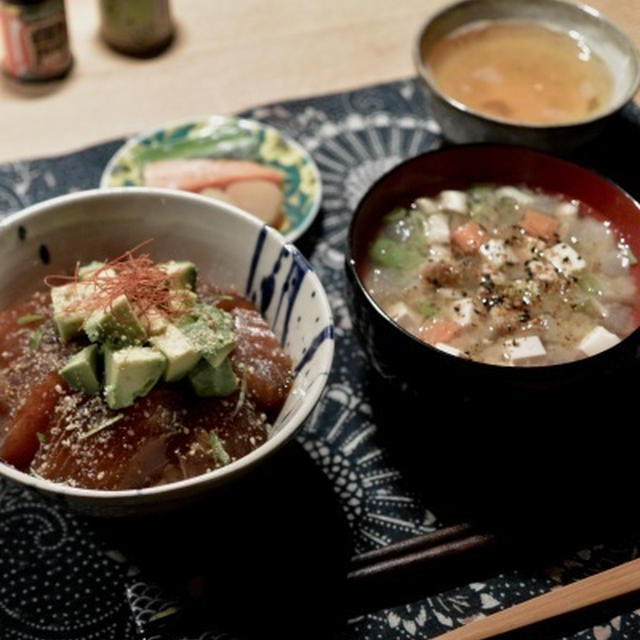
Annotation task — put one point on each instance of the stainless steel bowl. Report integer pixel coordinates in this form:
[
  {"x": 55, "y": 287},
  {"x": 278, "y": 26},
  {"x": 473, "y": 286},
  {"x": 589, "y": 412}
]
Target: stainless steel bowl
[{"x": 461, "y": 124}]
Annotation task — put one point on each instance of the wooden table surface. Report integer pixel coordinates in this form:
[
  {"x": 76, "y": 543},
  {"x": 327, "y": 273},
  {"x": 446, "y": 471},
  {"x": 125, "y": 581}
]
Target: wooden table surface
[{"x": 228, "y": 55}]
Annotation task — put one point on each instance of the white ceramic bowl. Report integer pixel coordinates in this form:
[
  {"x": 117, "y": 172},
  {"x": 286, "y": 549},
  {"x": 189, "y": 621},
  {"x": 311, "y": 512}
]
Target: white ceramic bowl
[{"x": 229, "y": 247}]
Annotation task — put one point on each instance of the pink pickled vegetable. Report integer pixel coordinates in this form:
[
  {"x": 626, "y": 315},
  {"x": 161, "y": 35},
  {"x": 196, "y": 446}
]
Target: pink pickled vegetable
[{"x": 193, "y": 174}]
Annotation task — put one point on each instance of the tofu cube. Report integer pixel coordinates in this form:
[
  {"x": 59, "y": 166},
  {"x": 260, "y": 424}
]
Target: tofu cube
[
  {"x": 565, "y": 258},
  {"x": 447, "y": 348},
  {"x": 567, "y": 210},
  {"x": 597, "y": 340},
  {"x": 463, "y": 310},
  {"x": 438, "y": 228},
  {"x": 520, "y": 197},
  {"x": 426, "y": 205},
  {"x": 496, "y": 253},
  {"x": 455, "y": 201},
  {"x": 525, "y": 348},
  {"x": 439, "y": 252},
  {"x": 403, "y": 315}
]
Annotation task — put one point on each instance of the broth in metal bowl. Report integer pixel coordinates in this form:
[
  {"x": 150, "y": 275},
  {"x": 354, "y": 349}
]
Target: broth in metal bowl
[{"x": 546, "y": 74}]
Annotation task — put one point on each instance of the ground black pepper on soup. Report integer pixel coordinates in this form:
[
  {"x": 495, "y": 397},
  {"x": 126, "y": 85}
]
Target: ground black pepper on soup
[
  {"x": 524, "y": 72},
  {"x": 131, "y": 374},
  {"x": 504, "y": 275}
]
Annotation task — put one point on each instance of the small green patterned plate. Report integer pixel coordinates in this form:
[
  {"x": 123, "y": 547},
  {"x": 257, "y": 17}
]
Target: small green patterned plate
[{"x": 226, "y": 137}]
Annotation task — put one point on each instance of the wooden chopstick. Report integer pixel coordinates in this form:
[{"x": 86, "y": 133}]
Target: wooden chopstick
[
  {"x": 583, "y": 593},
  {"x": 416, "y": 553},
  {"x": 411, "y": 545},
  {"x": 407, "y": 569}
]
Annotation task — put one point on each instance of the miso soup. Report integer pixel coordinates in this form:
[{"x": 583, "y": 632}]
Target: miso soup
[
  {"x": 504, "y": 275},
  {"x": 520, "y": 71}
]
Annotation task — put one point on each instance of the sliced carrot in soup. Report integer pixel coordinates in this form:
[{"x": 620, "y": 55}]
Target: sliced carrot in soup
[
  {"x": 539, "y": 225},
  {"x": 438, "y": 330},
  {"x": 469, "y": 237}
]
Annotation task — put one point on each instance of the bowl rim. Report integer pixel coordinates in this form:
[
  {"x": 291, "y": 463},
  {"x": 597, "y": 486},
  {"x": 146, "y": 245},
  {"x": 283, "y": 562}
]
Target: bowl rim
[
  {"x": 226, "y": 472},
  {"x": 484, "y": 367},
  {"x": 580, "y": 7},
  {"x": 217, "y": 119}
]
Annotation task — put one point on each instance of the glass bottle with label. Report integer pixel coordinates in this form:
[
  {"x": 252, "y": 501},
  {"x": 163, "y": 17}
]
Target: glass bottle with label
[{"x": 36, "y": 42}]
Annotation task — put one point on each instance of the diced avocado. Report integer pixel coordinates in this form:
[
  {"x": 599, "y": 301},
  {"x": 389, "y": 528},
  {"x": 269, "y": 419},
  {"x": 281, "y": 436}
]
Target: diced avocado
[
  {"x": 68, "y": 312},
  {"x": 218, "y": 319},
  {"x": 213, "y": 381},
  {"x": 87, "y": 270},
  {"x": 131, "y": 373},
  {"x": 182, "y": 301},
  {"x": 81, "y": 370},
  {"x": 154, "y": 322},
  {"x": 211, "y": 331},
  {"x": 180, "y": 353},
  {"x": 182, "y": 275},
  {"x": 116, "y": 326}
]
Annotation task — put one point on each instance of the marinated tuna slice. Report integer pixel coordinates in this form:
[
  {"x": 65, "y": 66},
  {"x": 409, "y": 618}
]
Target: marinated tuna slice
[
  {"x": 268, "y": 378},
  {"x": 30, "y": 354},
  {"x": 18, "y": 325},
  {"x": 228, "y": 300},
  {"x": 260, "y": 359},
  {"x": 197, "y": 174},
  {"x": 30, "y": 422},
  {"x": 166, "y": 436}
]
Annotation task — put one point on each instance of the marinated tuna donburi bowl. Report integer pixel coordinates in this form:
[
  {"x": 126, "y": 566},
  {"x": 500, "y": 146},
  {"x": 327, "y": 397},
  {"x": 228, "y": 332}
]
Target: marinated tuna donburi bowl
[{"x": 154, "y": 344}]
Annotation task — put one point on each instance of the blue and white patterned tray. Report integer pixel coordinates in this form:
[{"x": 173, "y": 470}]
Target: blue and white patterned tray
[{"x": 59, "y": 580}]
